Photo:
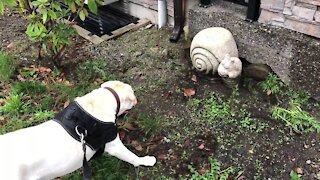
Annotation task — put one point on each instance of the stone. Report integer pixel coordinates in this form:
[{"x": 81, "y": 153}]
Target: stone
[
  {"x": 230, "y": 67},
  {"x": 302, "y": 12},
  {"x": 267, "y": 16},
  {"x": 209, "y": 47},
  {"x": 317, "y": 16},
  {"x": 257, "y": 71},
  {"x": 306, "y": 28},
  {"x": 273, "y": 5}
]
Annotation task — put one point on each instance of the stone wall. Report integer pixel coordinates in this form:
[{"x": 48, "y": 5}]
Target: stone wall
[{"x": 298, "y": 15}]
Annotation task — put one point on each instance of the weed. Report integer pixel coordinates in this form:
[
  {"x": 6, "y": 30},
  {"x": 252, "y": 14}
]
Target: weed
[
  {"x": 259, "y": 168},
  {"x": 299, "y": 97},
  {"x": 217, "y": 109},
  {"x": 90, "y": 70},
  {"x": 104, "y": 167},
  {"x": 28, "y": 88},
  {"x": 215, "y": 172},
  {"x": 70, "y": 92},
  {"x": 14, "y": 124},
  {"x": 45, "y": 103},
  {"x": 272, "y": 85},
  {"x": 7, "y": 66},
  {"x": 28, "y": 73},
  {"x": 294, "y": 176},
  {"x": 295, "y": 118},
  {"x": 41, "y": 116},
  {"x": 13, "y": 104},
  {"x": 195, "y": 103},
  {"x": 150, "y": 125}
]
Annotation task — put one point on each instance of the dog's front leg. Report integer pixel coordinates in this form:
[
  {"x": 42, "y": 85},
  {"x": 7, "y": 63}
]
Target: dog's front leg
[{"x": 117, "y": 149}]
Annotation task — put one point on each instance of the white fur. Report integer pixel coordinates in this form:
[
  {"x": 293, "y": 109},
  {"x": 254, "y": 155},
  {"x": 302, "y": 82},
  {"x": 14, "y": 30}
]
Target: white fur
[{"x": 47, "y": 151}]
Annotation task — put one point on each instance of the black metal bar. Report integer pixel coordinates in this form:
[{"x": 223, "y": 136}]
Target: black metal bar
[
  {"x": 179, "y": 17},
  {"x": 253, "y": 10}
]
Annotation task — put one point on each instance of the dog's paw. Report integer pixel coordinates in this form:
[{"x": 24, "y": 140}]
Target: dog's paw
[{"x": 148, "y": 161}]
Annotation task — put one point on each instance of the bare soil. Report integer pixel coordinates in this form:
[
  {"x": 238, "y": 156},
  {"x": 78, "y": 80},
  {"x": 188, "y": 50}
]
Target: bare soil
[{"x": 159, "y": 71}]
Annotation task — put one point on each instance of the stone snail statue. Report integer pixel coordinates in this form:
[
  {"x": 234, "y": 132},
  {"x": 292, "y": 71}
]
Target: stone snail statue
[
  {"x": 213, "y": 46},
  {"x": 230, "y": 70}
]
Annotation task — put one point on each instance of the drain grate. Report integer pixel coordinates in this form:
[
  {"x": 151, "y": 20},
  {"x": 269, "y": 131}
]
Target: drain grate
[{"x": 107, "y": 20}]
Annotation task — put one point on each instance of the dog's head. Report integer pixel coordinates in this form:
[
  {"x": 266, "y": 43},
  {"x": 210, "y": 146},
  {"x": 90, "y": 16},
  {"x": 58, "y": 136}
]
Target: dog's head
[{"x": 125, "y": 93}]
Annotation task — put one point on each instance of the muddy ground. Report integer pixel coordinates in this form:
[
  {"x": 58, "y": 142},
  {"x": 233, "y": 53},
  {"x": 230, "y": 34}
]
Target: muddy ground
[{"x": 160, "y": 72}]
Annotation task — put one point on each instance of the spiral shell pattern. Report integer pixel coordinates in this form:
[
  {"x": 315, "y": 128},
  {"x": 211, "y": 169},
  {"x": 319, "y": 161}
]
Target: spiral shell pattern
[{"x": 203, "y": 60}]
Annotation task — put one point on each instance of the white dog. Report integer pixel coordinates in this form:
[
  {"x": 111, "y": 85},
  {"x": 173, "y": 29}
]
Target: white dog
[{"x": 47, "y": 151}]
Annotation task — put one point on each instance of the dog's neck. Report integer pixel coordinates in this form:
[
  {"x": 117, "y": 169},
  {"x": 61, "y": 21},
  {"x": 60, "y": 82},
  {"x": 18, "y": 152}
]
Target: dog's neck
[{"x": 102, "y": 107}]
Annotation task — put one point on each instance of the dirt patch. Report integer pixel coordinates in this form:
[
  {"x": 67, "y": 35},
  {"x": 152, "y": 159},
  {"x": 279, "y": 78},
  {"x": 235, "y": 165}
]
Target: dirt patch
[{"x": 159, "y": 72}]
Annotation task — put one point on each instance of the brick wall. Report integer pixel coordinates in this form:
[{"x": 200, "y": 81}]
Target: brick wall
[{"x": 299, "y": 15}]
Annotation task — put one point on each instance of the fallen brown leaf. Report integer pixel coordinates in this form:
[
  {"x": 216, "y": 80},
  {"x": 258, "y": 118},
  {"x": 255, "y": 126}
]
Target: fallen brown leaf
[
  {"x": 128, "y": 126},
  {"x": 173, "y": 158},
  {"x": 66, "y": 103},
  {"x": 10, "y": 46},
  {"x": 136, "y": 145},
  {"x": 201, "y": 171},
  {"x": 299, "y": 170},
  {"x": 122, "y": 135},
  {"x": 189, "y": 92},
  {"x": 161, "y": 157},
  {"x": 201, "y": 146}
]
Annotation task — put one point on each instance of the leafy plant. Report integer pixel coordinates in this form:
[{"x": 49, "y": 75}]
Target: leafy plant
[
  {"x": 91, "y": 70},
  {"x": 104, "y": 167},
  {"x": 294, "y": 176},
  {"x": 47, "y": 22},
  {"x": 41, "y": 116},
  {"x": 29, "y": 87},
  {"x": 215, "y": 172},
  {"x": 7, "y": 66},
  {"x": 13, "y": 104},
  {"x": 150, "y": 125},
  {"x": 9, "y": 3},
  {"x": 295, "y": 118},
  {"x": 217, "y": 109},
  {"x": 272, "y": 85}
]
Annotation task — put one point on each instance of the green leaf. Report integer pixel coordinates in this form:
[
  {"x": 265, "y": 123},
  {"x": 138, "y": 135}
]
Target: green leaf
[
  {"x": 10, "y": 3},
  {"x": 100, "y": 2},
  {"x": 44, "y": 16},
  {"x": 1, "y": 8},
  {"x": 82, "y": 15},
  {"x": 93, "y": 6},
  {"x": 73, "y": 7},
  {"x": 52, "y": 14},
  {"x": 36, "y": 3}
]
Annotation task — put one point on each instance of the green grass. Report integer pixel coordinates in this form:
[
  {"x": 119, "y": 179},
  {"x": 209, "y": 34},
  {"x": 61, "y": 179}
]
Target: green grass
[
  {"x": 151, "y": 125},
  {"x": 105, "y": 167},
  {"x": 29, "y": 88},
  {"x": 91, "y": 70},
  {"x": 295, "y": 118},
  {"x": 215, "y": 172},
  {"x": 7, "y": 66},
  {"x": 66, "y": 92},
  {"x": 13, "y": 104},
  {"x": 217, "y": 109}
]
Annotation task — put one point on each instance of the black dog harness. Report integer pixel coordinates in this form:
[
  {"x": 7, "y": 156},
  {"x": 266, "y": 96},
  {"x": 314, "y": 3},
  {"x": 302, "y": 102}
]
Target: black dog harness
[{"x": 88, "y": 130}]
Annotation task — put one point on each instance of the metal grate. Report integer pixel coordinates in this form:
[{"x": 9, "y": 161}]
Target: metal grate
[{"x": 107, "y": 20}]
